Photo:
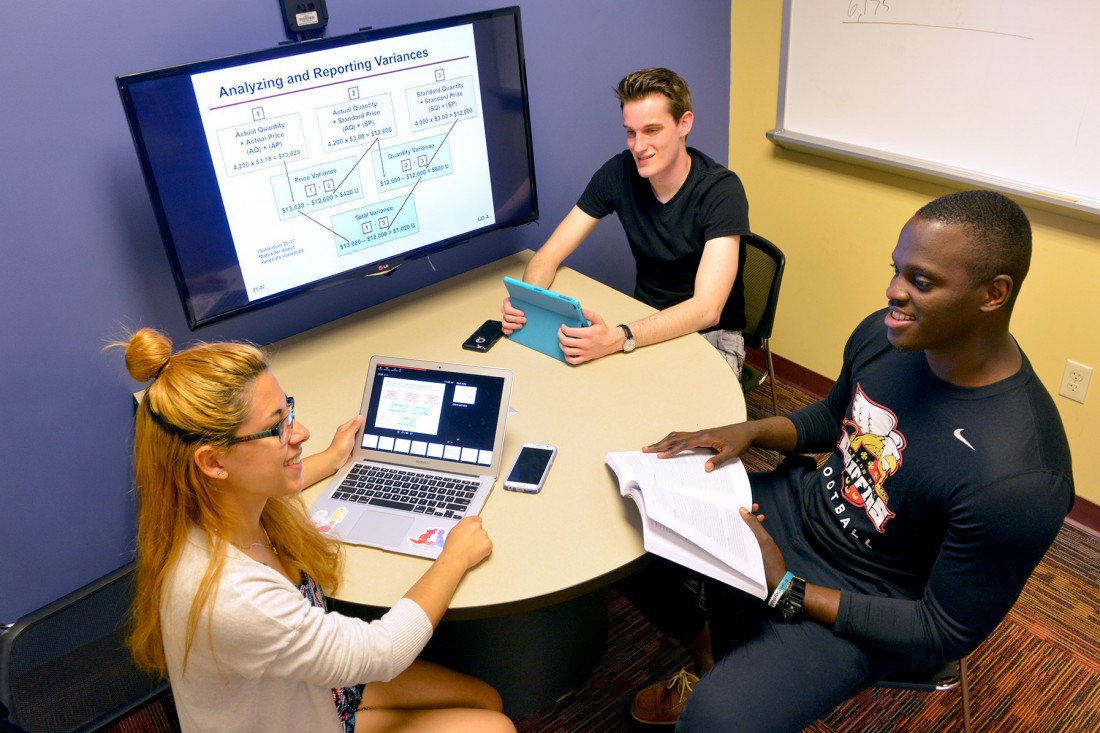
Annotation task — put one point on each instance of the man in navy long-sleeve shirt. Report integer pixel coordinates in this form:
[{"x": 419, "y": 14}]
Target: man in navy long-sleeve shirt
[{"x": 948, "y": 479}]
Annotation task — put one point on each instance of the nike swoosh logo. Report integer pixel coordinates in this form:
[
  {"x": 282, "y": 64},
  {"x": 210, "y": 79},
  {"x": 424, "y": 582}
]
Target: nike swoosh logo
[{"x": 959, "y": 436}]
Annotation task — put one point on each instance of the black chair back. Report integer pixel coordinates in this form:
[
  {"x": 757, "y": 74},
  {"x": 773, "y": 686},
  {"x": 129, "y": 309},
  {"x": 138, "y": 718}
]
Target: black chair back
[
  {"x": 762, "y": 277},
  {"x": 65, "y": 667}
]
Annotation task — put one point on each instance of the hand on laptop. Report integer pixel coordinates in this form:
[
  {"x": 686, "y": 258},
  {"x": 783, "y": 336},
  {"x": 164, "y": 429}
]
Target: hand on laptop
[
  {"x": 512, "y": 319},
  {"x": 331, "y": 459},
  {"x": 467, "y": 543}
]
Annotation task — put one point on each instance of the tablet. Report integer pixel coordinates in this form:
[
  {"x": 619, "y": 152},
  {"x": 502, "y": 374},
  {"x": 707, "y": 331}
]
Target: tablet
[{"x": 546, "y": 311}]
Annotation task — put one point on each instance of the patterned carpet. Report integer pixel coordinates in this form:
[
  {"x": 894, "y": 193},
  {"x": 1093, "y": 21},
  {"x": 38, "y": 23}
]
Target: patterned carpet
[{"x": 1039, "y": 672}]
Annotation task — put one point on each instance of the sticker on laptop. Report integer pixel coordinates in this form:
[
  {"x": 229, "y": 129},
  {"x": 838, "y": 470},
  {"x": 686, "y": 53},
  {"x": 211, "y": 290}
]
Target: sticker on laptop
[
  {"x": 430, "y": 539},
  {"x": 325, "y": 523}
]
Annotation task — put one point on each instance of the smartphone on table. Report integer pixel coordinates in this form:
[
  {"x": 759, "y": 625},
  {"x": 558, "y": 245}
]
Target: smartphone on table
[
  {"x": 531, "y": 466},
  {"x": 484, "y": 337}
]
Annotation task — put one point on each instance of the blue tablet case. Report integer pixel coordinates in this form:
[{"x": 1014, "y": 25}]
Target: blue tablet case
[{"x": 546, "y": 311}]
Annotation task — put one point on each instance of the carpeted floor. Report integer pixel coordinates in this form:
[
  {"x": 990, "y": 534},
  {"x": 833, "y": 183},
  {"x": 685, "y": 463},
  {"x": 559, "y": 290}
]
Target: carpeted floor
[{"x": 1039, "y": 672}]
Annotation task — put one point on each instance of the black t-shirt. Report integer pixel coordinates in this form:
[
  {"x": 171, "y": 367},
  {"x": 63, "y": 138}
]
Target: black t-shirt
[{"x": 667, "y": 239}]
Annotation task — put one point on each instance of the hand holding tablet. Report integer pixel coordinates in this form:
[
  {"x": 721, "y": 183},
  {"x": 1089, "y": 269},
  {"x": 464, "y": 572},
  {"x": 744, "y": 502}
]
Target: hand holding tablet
[{"x": 546, "y": 312}]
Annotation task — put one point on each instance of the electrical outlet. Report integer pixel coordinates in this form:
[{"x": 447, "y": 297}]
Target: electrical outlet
[{"x": 1075, "y": 381}]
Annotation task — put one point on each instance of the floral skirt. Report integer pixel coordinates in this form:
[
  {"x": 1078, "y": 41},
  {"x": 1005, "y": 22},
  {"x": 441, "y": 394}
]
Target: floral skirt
[{"x": 347, "y": 699}]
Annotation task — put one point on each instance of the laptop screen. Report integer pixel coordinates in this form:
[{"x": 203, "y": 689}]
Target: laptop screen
[{"x": 444, "y": 415}]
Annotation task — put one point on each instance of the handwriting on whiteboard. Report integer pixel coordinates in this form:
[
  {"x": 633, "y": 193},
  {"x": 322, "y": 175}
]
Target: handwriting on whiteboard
[
  {"x": 858, "y": 9},
  {"x": 951, "y": 15}
]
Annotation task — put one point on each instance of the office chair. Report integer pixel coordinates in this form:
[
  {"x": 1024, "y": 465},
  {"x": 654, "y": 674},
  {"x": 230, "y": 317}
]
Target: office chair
[
  {"x": 762, "y": 276},
  {"x": 933, "y": 678},
  {"x": 64, "y": 668}
]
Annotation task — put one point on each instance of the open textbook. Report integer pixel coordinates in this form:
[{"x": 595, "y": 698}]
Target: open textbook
[{"x": 691, "y": 517}]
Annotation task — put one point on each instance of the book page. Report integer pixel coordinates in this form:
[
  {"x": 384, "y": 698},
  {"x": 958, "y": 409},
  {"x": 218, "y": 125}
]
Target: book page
[
  {"x": 699, "y": 507},
  {"x": 717, "y": 528},
  {"x": 684, "y": 471},
  {"x": 660, "y": 540}
]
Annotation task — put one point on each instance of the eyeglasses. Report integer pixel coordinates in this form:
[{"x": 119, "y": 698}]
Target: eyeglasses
[{"x": 282, "y": 429}]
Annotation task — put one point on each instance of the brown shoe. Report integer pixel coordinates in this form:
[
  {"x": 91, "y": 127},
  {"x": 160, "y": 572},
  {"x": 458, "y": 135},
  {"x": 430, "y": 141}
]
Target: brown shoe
[{"x": 660, "y": 703}]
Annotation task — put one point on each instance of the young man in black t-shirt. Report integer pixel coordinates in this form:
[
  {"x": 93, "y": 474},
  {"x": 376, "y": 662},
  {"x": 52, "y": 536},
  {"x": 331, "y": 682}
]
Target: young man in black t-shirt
[{"x": 683, "y": 215}]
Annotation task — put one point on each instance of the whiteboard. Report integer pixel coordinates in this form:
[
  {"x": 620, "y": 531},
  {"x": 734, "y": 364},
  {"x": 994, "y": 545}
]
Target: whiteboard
[{"x": 1003, "y": 94}]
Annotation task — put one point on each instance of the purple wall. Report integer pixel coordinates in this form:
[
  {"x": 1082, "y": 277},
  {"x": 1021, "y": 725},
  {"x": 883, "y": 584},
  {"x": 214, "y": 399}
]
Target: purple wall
[{"x": 84, "y": 263}]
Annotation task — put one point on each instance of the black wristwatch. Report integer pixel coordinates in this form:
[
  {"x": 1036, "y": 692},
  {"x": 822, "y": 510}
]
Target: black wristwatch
[
  {"x": 629, "y": 344},
  {"x": 790, "y": 605}
]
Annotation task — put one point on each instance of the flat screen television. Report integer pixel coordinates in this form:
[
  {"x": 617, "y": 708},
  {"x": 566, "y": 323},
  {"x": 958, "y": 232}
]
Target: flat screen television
[{"x": 280, "y": 171}]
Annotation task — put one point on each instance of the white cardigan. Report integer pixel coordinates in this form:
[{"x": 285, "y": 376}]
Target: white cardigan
[{"x": 277, "y": 657}]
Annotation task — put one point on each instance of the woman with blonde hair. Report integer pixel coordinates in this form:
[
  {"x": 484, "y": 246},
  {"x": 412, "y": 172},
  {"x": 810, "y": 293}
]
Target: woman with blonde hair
[{"x": 229, "y": 600}]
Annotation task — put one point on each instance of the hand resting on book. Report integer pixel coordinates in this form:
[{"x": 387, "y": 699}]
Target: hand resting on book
[{"x": 729, "y": 441}]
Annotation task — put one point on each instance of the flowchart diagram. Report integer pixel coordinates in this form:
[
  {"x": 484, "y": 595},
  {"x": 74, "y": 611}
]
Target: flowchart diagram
[{"x": 323, "y": 175}]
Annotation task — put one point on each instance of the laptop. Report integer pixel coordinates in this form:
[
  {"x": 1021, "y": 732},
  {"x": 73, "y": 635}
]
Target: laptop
[
  {"x": 429, "y": 454},
  {"x": 545, "y": 311}
]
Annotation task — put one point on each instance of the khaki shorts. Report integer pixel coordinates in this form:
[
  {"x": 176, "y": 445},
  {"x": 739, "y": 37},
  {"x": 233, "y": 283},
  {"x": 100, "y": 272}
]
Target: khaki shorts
[{"x": 731, "y": 344}]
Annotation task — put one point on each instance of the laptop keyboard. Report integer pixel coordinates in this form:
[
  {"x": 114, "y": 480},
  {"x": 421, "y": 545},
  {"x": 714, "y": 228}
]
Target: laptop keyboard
[{"x": 409, "y": 491}]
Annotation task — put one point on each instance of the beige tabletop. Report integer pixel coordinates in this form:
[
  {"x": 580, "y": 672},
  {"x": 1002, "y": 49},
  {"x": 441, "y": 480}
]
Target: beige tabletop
[{"x": 578, "y": 533}]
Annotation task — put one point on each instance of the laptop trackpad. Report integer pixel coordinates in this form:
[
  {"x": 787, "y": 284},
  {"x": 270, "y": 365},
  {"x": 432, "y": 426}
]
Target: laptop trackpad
[{"x": 387, "y": 530}]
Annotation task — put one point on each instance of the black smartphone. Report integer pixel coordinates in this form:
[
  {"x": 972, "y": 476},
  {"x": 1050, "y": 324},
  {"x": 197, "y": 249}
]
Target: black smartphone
[{"x": 484, "y": 337}]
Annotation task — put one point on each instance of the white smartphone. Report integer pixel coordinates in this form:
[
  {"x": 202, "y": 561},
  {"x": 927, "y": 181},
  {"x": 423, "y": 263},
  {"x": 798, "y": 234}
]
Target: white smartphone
[{"x": 529, "y": 471}]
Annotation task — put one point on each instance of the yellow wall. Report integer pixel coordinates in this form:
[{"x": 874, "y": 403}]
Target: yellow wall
[{"x": 837, "y": 223}]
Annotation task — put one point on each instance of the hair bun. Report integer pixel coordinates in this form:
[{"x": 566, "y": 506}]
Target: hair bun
[{"x": 148, "y": 352}]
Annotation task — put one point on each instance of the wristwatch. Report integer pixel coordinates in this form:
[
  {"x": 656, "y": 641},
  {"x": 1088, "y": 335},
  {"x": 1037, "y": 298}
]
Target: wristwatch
[
  {"x": 628, "y": 345},
  {"x": 790, "y": 605}
]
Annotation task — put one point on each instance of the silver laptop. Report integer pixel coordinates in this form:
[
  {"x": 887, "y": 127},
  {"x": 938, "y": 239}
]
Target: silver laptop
[{"x": 429, "y": 454}]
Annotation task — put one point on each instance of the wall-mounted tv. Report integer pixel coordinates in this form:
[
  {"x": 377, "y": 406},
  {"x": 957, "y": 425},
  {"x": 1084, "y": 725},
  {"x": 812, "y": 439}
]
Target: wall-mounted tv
[{"x": 276, "y": 172}]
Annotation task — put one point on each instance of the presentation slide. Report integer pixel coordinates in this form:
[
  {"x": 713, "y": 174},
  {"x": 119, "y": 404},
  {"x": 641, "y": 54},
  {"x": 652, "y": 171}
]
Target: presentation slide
[
  {"x": 332, "y": 160},
  {"x": 410, "y": 405}
]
